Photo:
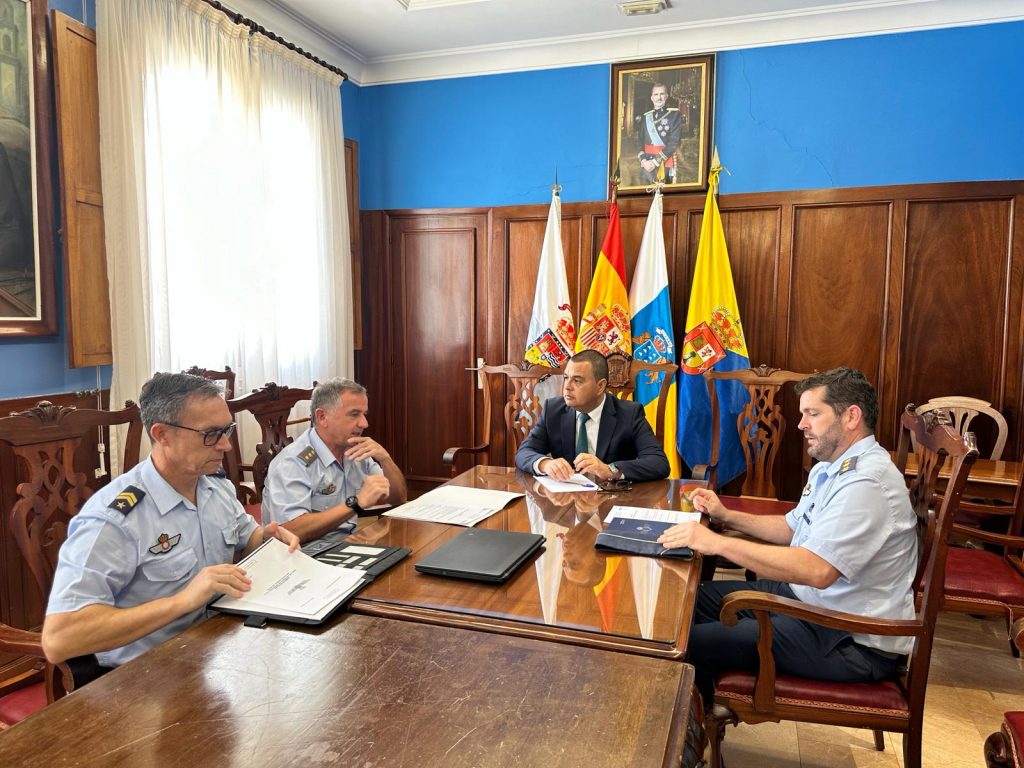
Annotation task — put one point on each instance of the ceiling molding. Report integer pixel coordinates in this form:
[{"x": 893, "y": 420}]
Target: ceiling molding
[{"x": 871, "y": 17}]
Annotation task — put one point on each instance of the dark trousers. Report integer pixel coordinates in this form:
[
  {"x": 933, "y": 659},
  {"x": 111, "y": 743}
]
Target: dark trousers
[{"x": 800, "y": 649}]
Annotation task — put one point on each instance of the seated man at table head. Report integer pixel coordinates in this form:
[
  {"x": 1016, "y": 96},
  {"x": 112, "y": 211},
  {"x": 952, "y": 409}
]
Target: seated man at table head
[
  {"x": 147, "y": 552},
  {"x": 850, "y": 545},
  {"x": 332, "y": 471},
  {"x": 589, "y": 430}
]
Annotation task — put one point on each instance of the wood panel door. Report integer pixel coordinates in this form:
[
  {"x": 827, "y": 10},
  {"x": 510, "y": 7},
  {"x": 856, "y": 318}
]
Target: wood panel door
[{"x": 438, "y": 313}]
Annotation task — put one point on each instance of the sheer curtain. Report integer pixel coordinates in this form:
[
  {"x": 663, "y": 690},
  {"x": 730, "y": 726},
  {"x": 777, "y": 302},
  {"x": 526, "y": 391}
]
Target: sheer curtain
[{"x": 224, "y": 200}]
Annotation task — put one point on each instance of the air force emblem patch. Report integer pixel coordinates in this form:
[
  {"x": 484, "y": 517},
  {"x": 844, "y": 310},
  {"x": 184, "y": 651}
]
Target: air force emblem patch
[
  {"x": 127, "y": 499},
  {"x": 165, "y": 543}
]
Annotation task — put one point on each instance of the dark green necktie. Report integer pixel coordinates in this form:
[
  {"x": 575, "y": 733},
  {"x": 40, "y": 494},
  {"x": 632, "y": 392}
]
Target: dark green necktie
[{"x": 581, "y": 434}]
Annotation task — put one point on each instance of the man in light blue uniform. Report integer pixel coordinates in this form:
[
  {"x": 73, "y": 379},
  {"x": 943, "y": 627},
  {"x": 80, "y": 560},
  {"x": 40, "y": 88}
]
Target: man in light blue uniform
[
  {"x": 332, "y": 471},
  {"x": 849, "y": 545},
  {"x": 147, "y": 552}
]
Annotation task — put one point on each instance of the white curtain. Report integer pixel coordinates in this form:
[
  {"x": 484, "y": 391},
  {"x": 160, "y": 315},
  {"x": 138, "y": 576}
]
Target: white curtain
[{"x": 224, "y": 200}]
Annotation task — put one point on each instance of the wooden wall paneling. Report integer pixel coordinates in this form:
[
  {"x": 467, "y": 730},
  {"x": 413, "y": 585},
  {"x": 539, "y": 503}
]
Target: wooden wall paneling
[
  {"x": 78, "y": 140},
  {"x": 1014, "y": 402},
  {"x": 890, "y": 407},
  {"x": 439, "y": 316},
  {"x": 956, "y": 314},
  {"x": 375, "y": 360}
]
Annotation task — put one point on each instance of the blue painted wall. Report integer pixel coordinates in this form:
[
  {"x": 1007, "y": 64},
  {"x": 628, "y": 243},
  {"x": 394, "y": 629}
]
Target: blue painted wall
[{"x": 944, "y": 105}]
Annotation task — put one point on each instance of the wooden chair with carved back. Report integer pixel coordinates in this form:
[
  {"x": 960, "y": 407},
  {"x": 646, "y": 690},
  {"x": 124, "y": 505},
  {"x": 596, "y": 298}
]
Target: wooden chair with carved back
[
  {"x": 890, "y": 705},
  {"x": 964, "y": 410},
  {"x": 224, "y": 379},
  {"x": 1005, "y": 748},
  {"x": 44, "y": 441},
  {"x": 523, "y": 404},
  {"x": 271, "y": 406}
]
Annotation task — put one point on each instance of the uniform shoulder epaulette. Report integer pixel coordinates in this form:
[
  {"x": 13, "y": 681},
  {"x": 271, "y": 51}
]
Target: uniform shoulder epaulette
[
  {"x": 848, "y": 465},
  {"x": 127, "y": 499},
  {"x": 308, "y": 456}
]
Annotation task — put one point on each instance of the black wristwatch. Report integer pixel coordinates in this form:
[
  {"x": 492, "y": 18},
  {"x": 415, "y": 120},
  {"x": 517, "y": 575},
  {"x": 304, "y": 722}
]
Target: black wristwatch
[{"x": 353, "y": 503}]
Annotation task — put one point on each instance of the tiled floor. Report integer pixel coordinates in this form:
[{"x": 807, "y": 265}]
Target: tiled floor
[{"x": 973, "y": 680}]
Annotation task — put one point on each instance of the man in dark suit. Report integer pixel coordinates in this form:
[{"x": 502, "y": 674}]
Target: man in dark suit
[{"x": 588, "y": 430}]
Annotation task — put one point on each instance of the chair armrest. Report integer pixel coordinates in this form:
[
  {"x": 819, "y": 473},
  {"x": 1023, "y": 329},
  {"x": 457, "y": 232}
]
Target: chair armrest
[
  {"x": 702, "y": 472},
  {"x": 989, "y": 537},
  {"x": 21, "y": 641},
  {"x": 850, "y": 622},
  {"x": 452, "y": 454}
]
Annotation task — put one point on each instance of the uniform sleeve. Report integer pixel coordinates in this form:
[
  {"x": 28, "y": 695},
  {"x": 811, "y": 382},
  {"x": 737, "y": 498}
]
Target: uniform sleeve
[
  {"x": 851, "y": 526},
  {"x": 97, "y": 561},
  {"x": 288, "y": 492}
]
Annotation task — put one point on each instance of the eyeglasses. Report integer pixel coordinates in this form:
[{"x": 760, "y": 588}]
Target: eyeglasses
[
  {"x": 210, "y": 436},
  {"x": 615, "y": 486}
]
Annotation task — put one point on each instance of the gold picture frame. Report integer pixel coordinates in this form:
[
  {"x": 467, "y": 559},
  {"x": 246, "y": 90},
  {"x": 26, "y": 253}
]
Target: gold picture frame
[
  {"x": 27, "y": 238},
  {"x": 662, "y": 123}
]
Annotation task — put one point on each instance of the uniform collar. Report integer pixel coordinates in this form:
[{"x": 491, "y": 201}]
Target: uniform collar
[
  {"x": 325, "y": 454},
  {"x": 861, "y": 446},
  {"x": 162, "y": 494}
]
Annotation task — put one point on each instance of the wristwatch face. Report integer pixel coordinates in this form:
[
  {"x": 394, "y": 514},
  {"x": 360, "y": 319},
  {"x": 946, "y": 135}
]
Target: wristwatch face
[
  {"x": 615, "y": 471},
  {"x": 352, "y": 502}
]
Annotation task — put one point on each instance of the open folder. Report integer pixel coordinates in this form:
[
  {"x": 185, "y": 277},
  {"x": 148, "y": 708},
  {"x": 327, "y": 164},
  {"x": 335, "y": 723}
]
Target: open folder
[{"x": 292, "y": 586}]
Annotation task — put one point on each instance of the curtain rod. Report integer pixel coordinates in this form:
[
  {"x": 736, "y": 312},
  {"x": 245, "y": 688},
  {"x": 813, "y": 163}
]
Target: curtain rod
[{"x": 238, "y": 18}]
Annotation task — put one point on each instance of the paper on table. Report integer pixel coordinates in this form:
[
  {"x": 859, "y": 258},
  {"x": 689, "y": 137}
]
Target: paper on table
[
  {"x": 455, "y": 505},
  {"x": 291, "y": 584},
  {"x": 658, "y": 515},
  {"x": 578, "y": 482}
]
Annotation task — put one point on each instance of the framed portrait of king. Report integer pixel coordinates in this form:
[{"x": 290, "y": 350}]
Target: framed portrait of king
[{"x": 662, "y": 123}]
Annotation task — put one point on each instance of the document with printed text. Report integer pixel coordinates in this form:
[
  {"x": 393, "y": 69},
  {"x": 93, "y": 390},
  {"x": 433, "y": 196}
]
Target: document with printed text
[{"x": 454, "y": 505}]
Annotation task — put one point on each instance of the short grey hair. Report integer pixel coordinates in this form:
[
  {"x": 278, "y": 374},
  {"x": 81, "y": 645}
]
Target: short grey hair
[
  {"x": 327, "y": 394},
  {"x": 166, "y": 395}
]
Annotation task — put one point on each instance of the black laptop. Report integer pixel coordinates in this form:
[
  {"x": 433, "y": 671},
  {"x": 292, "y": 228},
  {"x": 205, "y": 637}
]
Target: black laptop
[{"x": 481, "y": 555}]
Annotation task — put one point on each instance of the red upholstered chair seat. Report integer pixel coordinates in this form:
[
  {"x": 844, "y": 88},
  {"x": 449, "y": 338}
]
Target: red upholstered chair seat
[
  {"x": 976, "y": 573},
  {"x": 256, "y": 510},
  {"x": 1013, "y": 727},
  {"x": 886, "y": 697},
  {"x": 16, "y": 706}
]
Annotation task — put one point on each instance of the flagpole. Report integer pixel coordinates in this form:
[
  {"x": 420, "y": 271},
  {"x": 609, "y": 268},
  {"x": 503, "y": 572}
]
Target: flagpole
[{"x": 613, "y": 182}]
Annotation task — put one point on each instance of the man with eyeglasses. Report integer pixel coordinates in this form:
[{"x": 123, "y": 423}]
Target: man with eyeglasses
[
  {"x": 332, "y": 471},
  {"x": 147, "y": 552},
  {"x": 588, "y": 430}
]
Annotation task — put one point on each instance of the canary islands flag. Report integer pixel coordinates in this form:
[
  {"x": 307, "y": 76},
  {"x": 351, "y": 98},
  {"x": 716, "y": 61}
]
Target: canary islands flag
[
  {"x": 653, "y": 340},
  {"x": 552, "y": 335},
  {"x": 714, "y": 339},
  {"x": 605, "y": 323}
]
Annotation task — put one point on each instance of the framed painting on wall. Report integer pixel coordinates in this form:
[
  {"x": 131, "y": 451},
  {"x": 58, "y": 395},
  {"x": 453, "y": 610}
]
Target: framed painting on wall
[
  {"x": 27, "y": 306},
  {"x": 662, "y": 123}
]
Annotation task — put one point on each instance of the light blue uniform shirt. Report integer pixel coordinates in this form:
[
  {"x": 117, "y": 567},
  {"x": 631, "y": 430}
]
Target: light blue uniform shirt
[
  {"x": 297, "y": 485},
  {"x": 152, "y": 550},
  {"x": 858, "y": 518}
]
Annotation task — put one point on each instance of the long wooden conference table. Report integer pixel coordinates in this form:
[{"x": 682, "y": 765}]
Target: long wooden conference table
[{"x": 440, "y": 672}]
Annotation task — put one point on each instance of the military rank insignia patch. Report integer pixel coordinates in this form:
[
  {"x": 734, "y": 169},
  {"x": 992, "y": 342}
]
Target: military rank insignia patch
[
  {"x": 165, "y": 543},
  {"x": 127, "y": 499},
  {"x": 848, "y": 464},
  {"x": 308, "y": 456}
]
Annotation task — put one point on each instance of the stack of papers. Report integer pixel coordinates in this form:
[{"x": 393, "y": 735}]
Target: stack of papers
[
  {"x": 291, "y": 585},
  {"x": 655, "y": 515},
  {"x": 454, "y": 505},
  {"x": 578, "y": 482}
]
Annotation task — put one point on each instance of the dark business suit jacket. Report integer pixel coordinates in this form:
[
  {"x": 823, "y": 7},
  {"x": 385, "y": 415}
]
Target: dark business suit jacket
[{"x": 624, "y": 439}]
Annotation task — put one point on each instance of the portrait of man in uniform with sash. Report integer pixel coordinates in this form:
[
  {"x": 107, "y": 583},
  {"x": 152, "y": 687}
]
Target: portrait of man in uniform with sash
[{"x": 661, "y": 123}]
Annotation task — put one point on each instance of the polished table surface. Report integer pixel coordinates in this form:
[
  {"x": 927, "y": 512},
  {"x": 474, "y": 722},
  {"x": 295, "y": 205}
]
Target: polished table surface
[
  {"x": 364, "y": 691},
  {"x": 987, "y": 479},
  {"x": 568, "y": 593}
]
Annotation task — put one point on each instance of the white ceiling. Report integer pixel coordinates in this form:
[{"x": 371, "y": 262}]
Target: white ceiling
[{"x": 380, "y": 41}]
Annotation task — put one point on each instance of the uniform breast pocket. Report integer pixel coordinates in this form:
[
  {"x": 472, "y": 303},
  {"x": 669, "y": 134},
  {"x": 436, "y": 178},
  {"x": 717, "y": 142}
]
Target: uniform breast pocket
[
  {"x": 321, "y": 501},
  {"x": 173, "y": 566}
]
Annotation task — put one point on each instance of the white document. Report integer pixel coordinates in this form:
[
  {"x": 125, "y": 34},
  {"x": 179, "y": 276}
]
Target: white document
[
  {"x": 291, "y": 584},
  {"x": 578, "y": 482},
  {"x": 454, "y": 505},
  {"x": 657, "y": 515}
]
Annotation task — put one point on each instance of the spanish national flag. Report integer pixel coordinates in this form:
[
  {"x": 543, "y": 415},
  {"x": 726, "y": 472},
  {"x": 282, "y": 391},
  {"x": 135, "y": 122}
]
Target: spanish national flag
[
  {"x": 605, "y": 322},
  {"x": 714, "y": 339}
]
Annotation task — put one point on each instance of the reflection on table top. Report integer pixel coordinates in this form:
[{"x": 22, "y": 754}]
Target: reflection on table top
[
  {"x": 569, "y": 592},
  {"x": 989, "y": 479},
  {"x": 363, "y": 691}
]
